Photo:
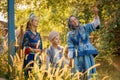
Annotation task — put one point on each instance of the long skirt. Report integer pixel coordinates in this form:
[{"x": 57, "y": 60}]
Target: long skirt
[
  {"x": 82, "y": 63},
  {"x": 28, "y": 58}
]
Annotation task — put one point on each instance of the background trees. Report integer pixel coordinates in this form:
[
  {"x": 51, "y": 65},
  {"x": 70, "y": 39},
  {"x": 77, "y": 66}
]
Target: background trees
[{"x": 53, "y": 15}]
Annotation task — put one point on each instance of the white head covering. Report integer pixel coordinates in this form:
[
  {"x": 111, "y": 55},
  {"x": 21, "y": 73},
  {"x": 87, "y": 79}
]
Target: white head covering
[
  {"x": 52, "y": 35},
  {"x": 32, "y": 15}
]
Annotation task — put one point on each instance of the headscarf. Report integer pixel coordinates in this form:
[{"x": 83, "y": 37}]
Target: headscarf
[
  {"x": 32, "y": 15},
  {"x": 52, "y": 35},
  {"x": 71, "y": 27}
]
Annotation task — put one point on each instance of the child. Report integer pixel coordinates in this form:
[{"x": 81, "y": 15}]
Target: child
[{"x": 55, "y": 51}]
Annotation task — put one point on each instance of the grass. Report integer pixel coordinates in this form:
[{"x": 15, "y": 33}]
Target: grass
[{"x": 105, "y": 71}]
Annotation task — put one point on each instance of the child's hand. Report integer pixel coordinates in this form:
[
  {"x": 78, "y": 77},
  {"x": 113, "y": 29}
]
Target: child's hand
[{"x": 36, "y": 50}]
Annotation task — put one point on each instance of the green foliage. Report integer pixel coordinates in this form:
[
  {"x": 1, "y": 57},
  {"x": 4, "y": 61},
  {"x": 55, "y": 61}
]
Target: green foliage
[
  {"x": 53, "y": 15},
  {"x": 108, "y": 37},
  {"x": 3, "y": 64}
]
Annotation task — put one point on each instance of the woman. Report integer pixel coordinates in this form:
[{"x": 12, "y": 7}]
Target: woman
[
  {"x": 32, "y": 43},
  {"x": 79, "y": 47}
]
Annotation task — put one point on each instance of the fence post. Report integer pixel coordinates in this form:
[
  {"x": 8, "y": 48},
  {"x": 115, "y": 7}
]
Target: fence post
[{"x": 11, "y": 34}]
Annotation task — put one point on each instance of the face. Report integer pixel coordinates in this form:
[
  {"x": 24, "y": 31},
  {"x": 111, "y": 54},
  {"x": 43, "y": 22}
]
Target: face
[
  {"x": 56, "y": 40},
  {"x": 34, "y": 22},
  {"x": 73, "y": 21}
]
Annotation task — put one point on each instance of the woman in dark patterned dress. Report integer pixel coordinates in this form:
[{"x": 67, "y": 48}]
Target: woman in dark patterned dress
[{"x": 32, "y": 43}]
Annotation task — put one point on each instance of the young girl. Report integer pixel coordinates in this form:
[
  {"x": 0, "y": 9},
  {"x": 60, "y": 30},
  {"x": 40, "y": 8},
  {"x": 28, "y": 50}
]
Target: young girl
[
  {"x": 55, "y": 51},
  {"x": 32, "y": 42},
  {"x": 79, "y": 47}
]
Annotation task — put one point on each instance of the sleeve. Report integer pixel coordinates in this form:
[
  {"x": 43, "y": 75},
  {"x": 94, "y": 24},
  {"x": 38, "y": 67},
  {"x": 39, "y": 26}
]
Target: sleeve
[
  {"x": 25, "y": 43},
  {"x": 71, "y": 47},
  {"x": 92, "y": 26},
  {"x": 47, "y": 60},
  {"x": 40, "y": 47},
  {"x": 96, "y": 22}
]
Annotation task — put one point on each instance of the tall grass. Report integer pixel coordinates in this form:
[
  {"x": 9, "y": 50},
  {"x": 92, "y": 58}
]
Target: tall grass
[{"x": 17, "y": 71}]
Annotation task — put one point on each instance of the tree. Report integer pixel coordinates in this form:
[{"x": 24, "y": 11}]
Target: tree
[{"x": 53, "y": 15}]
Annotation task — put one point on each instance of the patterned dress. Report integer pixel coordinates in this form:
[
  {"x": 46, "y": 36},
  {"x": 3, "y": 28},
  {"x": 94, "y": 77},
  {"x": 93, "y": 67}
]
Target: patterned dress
[
  {"x": 33, "y": 41},
  {"x": 81, "y": 49}
]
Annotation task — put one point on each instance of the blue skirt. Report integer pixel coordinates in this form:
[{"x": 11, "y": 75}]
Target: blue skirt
[
  {"x": 30, "y": 58},
  {"x": 82, "y": 63}
]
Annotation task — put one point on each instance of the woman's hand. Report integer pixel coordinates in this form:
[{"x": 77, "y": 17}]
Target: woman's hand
[
  {"x": 95, "y": 10},
  {"x": 36, "y": 50}
]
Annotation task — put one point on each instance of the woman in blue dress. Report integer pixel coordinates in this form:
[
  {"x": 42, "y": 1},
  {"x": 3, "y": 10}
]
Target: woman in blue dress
[
  {"x": 32, "y": 43},
  {"x": 79, "y": 47}
]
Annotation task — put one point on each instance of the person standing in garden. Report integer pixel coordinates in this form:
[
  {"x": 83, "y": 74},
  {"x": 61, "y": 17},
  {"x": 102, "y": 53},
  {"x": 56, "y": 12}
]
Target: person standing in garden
[
  {"x": 79, "y": 47},
  {"x": 55, "y": 52},
  {"x": 32, "y": 43}
]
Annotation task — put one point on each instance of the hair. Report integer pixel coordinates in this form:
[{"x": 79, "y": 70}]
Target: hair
[
  {"x": 71, "y": 27},
  {"x": 31, "y": 17},
  {"x": 28, "y": 26}
]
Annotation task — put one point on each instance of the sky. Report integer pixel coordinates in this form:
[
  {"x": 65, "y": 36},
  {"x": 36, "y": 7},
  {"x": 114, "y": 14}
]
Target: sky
[
  {"x": 2, "y": 17},
  {"x": 20, "y": 7}
]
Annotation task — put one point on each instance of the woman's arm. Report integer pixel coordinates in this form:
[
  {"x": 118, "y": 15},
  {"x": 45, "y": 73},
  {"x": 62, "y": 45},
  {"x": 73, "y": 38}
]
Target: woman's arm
[
  {"x": 25, "y": 43},
  {"x": 71, "y": 47},
  {"x": 38, "y": 46},
  {"x": 96, "y": 20},
  {"x": 90, "y": 27}
]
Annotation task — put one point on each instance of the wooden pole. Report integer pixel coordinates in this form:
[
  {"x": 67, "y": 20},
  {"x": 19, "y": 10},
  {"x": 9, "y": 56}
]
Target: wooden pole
[{"x": 11, "y": 34}]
